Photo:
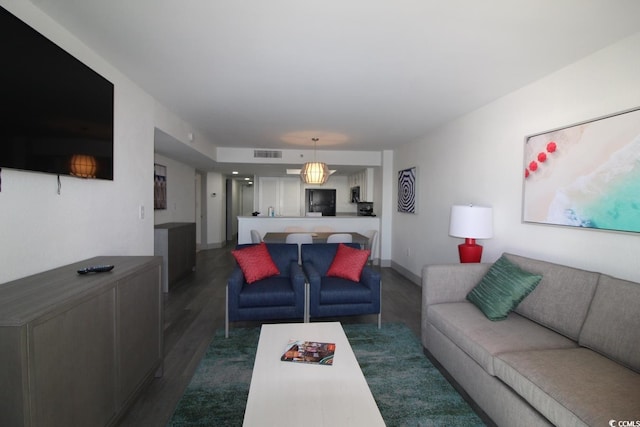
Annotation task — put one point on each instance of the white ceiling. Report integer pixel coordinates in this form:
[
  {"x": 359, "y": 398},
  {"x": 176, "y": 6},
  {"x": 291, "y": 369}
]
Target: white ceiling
[{"x": 358, "y": 74}]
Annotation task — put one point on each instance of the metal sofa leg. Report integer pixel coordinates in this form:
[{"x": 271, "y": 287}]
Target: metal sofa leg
[{"x": 306, "y": 302}]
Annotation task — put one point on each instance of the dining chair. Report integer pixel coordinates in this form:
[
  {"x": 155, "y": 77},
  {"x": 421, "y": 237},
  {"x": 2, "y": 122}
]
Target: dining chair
[
  {"x": 323, "y": 229},
  {"x": 340, "y": 238},
  {"x": 299, "y": 238},
  {"x": 255, "y": 236},
  {"x": 294, "y": 229}
]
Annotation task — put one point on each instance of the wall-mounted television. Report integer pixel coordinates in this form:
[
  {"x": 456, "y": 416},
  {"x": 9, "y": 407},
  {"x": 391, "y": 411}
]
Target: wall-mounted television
[{"x": 56, "y": 114}]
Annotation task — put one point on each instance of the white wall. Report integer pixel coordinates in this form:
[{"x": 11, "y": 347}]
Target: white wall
[
  {"x": 40, "y": 229},
  {"x": 216, "y": 227},
  {"x": 236, "y": 207},
  {"x": 247, "y": 195},
  {"x": 479, "y": 158},
  {"x": 181, "y": 192},
  {"x": 298, "y": 156},
  {"x": 200, "y": 211},
  {"x": 386, "y": 208}
]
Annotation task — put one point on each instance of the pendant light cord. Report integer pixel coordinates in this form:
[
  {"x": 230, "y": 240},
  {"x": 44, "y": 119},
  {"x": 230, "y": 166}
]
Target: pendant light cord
[{"x": 315, "y": 148}]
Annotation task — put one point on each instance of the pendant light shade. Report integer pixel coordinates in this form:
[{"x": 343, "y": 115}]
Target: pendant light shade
[
  {"x": 314, "y": 172},
  {"x": 83, "y": 166}
]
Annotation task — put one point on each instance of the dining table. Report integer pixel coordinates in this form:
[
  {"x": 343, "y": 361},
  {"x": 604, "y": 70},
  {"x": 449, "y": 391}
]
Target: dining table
[{"x": 318, "y": 237}]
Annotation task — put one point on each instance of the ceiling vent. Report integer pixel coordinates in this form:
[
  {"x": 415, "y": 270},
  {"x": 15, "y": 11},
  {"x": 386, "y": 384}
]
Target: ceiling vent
[{"x": 267, "y": 154}]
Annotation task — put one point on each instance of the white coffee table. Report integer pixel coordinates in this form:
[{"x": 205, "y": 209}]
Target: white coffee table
[{"x": 300, "y": 394}]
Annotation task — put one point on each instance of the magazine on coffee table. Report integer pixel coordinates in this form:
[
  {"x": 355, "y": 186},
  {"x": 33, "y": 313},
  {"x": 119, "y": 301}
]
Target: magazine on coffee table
[{"x": 301, "y": 351}]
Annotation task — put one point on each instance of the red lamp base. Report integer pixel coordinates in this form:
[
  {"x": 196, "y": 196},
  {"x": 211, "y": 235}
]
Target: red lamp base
[{"x": 469, "y": 251}]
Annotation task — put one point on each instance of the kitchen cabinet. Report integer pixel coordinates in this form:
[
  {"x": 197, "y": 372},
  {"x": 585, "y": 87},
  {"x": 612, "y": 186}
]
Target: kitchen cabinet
[{"x": 282, "y": 194}]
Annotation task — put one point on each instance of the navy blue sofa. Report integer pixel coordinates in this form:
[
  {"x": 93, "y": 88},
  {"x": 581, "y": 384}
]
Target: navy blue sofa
[
  {"x": 276, "y": 297},
  {"x": 334, "y": 296}
]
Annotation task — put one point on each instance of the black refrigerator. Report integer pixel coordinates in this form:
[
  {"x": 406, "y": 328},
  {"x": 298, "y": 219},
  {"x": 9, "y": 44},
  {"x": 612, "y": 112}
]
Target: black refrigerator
[{"x": 321, "y": 200}]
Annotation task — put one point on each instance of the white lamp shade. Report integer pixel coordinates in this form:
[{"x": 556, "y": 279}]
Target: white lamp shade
[
  {"x": 314, "y": 173},
  {"x": 471, "y": 222}
]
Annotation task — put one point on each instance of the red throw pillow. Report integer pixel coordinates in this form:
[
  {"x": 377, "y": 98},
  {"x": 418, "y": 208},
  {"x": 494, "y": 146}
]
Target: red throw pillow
[
  {"x": 255, "y": 262},
  {"x": 348, "y": 263}
]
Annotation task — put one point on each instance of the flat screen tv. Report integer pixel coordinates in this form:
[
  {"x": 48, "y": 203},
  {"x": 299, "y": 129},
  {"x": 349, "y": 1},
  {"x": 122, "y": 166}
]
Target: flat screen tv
[{"x": 56, "y": 114}]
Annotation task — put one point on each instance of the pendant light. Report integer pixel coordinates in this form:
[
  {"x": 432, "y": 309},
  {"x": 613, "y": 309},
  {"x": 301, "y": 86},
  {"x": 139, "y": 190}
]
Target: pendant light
[
  {"x": 314, "y": 172},
  {"x": 83, "y": 165}
]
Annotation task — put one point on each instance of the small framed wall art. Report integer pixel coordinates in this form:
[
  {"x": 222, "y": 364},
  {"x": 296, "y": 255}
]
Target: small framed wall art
[
  {"x": 586, "y": 175},
  {"x": 407, "y": 190},
  {"x": 159, "y": 186}
]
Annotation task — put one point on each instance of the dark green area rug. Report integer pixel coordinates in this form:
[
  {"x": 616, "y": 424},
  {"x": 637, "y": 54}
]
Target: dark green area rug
[{"x": 408, "y": 389}]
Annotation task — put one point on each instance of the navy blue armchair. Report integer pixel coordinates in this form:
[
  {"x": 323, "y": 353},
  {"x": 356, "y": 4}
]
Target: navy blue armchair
[
  {"x": 275, "y": 297},
  {"x": 335, "y": 296}
]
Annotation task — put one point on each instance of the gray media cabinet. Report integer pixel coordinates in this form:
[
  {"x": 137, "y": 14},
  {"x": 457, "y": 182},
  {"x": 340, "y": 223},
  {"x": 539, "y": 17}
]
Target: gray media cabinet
[{"x": 76, "y": 349}]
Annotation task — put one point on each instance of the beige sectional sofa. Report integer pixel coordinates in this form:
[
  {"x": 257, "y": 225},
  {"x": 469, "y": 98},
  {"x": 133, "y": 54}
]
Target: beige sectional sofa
[{"x": 568, "y": 355}]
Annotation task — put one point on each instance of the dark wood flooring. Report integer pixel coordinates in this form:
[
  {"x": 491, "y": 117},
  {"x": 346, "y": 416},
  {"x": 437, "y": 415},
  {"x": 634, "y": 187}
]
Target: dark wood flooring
[{"x": 194, "y": 310}]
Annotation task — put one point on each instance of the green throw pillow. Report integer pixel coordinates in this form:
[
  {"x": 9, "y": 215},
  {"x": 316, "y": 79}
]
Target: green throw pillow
[{"x": 503, "y": 287}]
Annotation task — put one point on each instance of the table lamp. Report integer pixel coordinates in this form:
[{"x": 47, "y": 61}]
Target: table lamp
[{"x": 471, "y": 222}]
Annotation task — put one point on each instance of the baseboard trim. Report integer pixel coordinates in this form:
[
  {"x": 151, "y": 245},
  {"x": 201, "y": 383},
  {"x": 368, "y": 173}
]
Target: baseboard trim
[{"x": 406, "y": 273}]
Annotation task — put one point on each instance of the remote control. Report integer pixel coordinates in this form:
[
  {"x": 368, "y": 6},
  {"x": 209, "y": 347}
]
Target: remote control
[{"x": 96, "y": 269}]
